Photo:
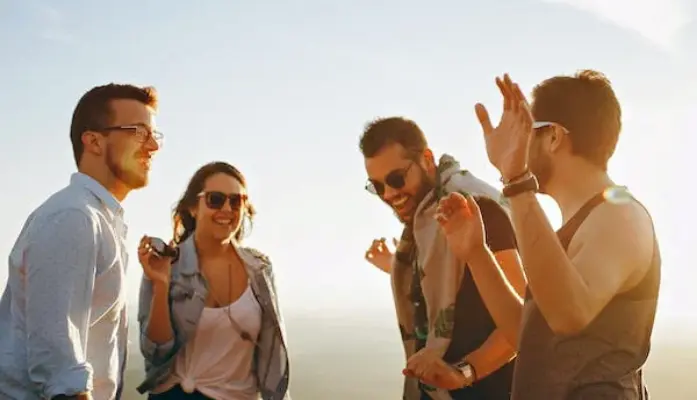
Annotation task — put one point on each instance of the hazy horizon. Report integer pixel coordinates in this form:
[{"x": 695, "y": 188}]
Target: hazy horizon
[{"x": 347, "y": 357}]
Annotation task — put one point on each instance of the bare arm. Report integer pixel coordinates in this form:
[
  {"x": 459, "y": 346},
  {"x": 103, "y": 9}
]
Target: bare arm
[
  {"x": 503, "y": 297},
  {"x": 498, "y": 349},
  {"x": 610, "y": 252}
]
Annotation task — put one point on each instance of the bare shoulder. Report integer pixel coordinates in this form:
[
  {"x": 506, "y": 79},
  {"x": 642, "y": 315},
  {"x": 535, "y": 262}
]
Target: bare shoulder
[{"x": 622, "y": 233}]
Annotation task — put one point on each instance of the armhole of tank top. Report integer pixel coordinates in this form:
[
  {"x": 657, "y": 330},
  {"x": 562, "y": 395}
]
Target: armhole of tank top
[{"x": 643, "y": 289}]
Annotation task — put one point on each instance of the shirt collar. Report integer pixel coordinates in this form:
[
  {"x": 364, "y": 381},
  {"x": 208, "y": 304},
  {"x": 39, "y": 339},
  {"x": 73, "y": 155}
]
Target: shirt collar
[{"x": 91, "y": 184}]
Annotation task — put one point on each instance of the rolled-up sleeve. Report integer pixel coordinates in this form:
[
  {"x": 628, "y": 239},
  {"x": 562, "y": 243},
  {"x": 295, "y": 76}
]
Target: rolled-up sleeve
[
  {"x": 153, "y": 353},
  {"x": 60, "y": 264}
]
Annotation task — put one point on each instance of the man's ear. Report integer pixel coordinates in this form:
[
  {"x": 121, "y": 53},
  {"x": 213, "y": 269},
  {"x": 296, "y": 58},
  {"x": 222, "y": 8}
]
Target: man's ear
[
  {"x": 429, "y": 160},
  {"x": 556, "y": 138},
  {"x": 93, "y": 142}
]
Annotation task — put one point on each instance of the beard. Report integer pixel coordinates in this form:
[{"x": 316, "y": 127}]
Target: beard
[
  {"x": 129, "y": 176},
  {"x": 427, "y": 184}
]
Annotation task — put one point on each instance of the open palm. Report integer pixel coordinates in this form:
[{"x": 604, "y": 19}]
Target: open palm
[
  {"x": 461, "y": 220},
  {"x": 508, "y": 144}
]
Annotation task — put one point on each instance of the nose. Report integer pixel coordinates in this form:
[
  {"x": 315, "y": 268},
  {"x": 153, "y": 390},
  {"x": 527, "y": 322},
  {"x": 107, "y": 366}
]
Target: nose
[
  {"x": 226, "y": 207},
  {"x": 390, "y": 194},
  {"x": 153, "y": 144}
]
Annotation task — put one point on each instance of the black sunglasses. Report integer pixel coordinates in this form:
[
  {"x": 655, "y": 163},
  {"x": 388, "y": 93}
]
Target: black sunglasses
[
  {"x": 395, "y": 179},
  {"x": 216, "y": 200}
]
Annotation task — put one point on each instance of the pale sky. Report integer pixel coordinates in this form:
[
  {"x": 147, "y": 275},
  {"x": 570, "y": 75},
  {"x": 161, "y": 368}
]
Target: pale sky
[{"x": 282, "y": 90}]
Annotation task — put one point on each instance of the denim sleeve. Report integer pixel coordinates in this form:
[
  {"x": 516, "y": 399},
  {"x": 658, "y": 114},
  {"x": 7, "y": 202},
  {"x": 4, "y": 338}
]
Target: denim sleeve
[
  {"x": 60, "y": 267},
  {"x": 153, "y": 353}
]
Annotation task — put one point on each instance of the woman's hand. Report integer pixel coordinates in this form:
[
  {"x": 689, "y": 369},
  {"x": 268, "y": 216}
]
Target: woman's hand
[{"x": 157, "y": 268}]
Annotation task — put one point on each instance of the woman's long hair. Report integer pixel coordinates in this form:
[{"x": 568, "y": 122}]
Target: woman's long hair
[{"x": 184, "y": 222}]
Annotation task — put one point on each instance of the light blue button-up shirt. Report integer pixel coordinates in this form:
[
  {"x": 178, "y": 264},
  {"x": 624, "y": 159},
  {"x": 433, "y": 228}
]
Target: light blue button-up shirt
[{"x": 63, "y": 322}]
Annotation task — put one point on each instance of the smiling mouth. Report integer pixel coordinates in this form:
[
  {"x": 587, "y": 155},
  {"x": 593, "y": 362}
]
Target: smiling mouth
[
  {"x": 223, "y": 221},
  {"x": 145, "y": 162},
  {"x": 400, "y": 203}
]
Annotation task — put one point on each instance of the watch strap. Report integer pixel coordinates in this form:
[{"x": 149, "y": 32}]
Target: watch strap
[{"x": 528, "y": 184}]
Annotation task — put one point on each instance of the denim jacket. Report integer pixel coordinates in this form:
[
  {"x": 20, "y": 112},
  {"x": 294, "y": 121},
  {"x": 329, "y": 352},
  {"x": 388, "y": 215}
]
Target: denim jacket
[{"x": 188, "y": 291}]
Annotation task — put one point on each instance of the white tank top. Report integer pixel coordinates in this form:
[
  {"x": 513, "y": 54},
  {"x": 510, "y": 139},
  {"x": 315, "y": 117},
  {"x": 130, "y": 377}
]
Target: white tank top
[{"x": 217, "y": 362}]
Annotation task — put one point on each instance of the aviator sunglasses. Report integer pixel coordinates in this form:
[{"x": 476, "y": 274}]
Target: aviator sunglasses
[
  {"x": 216, "y": 200},
  {"x": 395, "y": 179}
]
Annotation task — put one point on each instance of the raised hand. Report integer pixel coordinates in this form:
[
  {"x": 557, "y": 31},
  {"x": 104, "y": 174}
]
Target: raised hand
[
  {"x": 461, "y": 220},
  {"x": 380, "y": 255},
  {"x": 508, "y": 144},
  {"x": 156, "y": 268}
]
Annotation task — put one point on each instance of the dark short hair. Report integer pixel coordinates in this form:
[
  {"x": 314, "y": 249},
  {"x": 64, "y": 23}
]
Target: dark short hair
[
  {"x": 385, "y": 131},
  {"x": 586, "y": 105},
  {"x": 93, "y": 111}
]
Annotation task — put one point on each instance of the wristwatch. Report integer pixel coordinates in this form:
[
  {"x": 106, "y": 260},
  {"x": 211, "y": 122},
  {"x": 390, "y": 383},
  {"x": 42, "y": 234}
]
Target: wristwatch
[
  {"x": 526, "y": 183},
  {"x": 467, "y": 370}
]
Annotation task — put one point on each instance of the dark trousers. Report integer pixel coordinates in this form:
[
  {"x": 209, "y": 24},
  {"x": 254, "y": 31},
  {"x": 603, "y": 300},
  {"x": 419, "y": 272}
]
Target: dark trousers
[{"x": 176, "y": 393}]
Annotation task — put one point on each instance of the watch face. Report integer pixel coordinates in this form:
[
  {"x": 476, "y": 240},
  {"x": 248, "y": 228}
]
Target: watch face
[{"x": 467, "y": 371}]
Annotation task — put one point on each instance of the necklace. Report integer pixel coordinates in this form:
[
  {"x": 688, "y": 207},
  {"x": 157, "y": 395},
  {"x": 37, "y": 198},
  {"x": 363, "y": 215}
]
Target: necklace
[{"x": 226, "y": 308}]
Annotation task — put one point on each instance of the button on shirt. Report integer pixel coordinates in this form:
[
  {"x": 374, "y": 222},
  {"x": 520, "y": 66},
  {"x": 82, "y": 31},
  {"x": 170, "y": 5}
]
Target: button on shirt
[{"x": 63, "y": 322}]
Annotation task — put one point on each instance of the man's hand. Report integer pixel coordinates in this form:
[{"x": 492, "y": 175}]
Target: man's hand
[
  {"x": 428, "y": 366},
  {"x": 461, "y": 220},
  {"x": 508, "y": 145},
  {"x": 380, "y": 255}
]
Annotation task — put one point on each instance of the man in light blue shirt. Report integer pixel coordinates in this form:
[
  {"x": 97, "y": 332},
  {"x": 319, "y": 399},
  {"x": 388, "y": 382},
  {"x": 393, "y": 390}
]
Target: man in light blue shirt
[{"x": 63, "y": 322}]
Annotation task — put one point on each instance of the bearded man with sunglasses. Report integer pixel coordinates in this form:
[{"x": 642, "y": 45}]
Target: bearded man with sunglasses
[
  {"x": 441, "y": 316},
  {"x": 63, "y": 322}
]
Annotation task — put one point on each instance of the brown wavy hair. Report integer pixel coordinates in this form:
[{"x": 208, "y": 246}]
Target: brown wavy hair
[{"x": 184, "y": 224}]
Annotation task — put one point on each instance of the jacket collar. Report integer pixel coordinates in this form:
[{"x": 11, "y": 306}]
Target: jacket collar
[{"x": 188, "y": 258}]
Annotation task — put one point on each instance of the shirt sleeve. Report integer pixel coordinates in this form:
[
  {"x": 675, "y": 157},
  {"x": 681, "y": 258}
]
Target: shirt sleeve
[
  {"x": 60, "y": 264},
  {"x": 153, "y": 353},
  {"x": 497, "y": 224}
]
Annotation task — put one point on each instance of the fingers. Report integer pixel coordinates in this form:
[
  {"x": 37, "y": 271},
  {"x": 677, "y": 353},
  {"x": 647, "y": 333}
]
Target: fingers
[
  {"x": 144, "y": 246},
  {"x": 504, "y": 93},
  {"x": 472, "y": 206},
  {"x": 378, "y": 247},
  {"x": 145, "y": 251},
  {"x": 484, "y": 120},
  {"x": 514, "y": 103},
  {"x": 395, "y": 242}
]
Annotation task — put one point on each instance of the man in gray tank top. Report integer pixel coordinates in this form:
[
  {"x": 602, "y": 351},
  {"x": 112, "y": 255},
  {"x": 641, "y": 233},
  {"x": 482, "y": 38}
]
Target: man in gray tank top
[{"x": 584, "y": 328}]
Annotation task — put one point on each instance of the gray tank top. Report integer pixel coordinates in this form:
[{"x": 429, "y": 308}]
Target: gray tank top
[{"x": 603, "y": 362}]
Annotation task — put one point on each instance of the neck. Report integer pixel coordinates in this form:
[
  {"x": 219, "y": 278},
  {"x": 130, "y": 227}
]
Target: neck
[
  {"x": 210, "y": 248},
  {"x": 571, "y": 190},
  {"x": 102, "y": 175}
]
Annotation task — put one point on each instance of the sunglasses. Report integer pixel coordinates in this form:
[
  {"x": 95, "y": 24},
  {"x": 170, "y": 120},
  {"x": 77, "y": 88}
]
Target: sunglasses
[
  {"x": 216, "y": 200},
  {"x": 537, "y": 125},
  {"x": 395, "y": 179}
]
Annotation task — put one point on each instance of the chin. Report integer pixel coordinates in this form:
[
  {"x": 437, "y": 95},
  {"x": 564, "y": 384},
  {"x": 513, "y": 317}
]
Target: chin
[{"x": 136, "y": 180}]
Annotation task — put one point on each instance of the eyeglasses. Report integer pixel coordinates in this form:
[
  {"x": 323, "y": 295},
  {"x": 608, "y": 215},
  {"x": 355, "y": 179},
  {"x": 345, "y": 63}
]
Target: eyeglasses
[
  {"x": 142, "y": 133},
  {"x": 216, "y": 200},
  {"x": 395, "y": 179}
]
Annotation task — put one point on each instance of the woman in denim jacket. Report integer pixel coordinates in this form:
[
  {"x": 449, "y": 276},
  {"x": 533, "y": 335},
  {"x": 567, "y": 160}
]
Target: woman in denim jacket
[{"x": 210, "y": 323}]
